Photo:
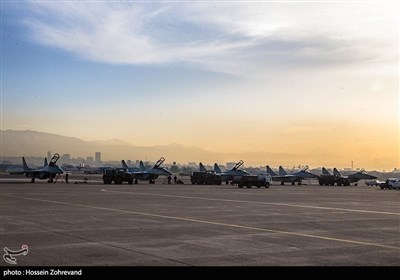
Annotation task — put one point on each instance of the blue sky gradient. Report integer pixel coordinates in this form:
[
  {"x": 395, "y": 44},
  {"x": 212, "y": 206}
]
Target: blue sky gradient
[{"x": 286, "y": 75}]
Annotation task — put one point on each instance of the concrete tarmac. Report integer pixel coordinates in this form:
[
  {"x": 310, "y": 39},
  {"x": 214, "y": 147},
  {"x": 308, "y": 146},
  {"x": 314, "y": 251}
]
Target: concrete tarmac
[{"x": 188, "y": 225}]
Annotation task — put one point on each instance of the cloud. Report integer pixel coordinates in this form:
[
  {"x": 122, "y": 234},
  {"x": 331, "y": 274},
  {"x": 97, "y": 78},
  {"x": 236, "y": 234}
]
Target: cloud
[{"x": 235, "y": 38}]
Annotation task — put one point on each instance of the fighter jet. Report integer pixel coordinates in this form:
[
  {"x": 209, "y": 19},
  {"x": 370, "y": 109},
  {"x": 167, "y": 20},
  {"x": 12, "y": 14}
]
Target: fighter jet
[
  {"x": 231, "y": 174},
  {"x": 46, "y": 172},
  {"x": 152, "y": 173},
  {"x": 284, "y": 177},
  {"x": 355, "y": 177}
]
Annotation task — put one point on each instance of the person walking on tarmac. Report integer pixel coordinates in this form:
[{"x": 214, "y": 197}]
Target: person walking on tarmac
[
  {"x": 175, "y": 179},
  {"x": 169, "y": 180},
  {"x": 66, "y": 177}
]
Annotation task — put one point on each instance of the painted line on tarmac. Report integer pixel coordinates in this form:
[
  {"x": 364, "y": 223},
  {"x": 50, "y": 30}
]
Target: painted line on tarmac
[
  {"x": 258, "y": 202},
  {"x": 209, "y": 222}
]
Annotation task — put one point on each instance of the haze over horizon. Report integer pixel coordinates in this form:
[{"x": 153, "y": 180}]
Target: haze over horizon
[
  {"x": 228, "y": 77},
  {"x": 29, "y": 143}
]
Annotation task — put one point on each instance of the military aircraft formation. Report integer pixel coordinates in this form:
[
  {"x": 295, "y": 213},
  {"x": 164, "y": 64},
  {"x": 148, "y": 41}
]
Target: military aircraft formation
[{"x": 51, "y": 170}]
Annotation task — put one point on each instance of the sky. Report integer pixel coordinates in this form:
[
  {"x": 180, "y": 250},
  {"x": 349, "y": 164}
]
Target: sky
[{"x": 304, "y": 78}]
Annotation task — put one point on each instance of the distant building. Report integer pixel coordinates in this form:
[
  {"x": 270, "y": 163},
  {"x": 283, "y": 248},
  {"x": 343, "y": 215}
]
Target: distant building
[
  {"x": 66, "y": 158},
  {"x": 89, "y": 159},
  {"x": 97, "y": 157}
]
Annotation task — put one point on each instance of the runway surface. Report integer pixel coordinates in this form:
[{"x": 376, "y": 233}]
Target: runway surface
[{"x": 185, "y": 225}]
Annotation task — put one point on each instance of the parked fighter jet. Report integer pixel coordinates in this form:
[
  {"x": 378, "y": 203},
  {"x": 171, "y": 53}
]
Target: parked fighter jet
[
  {"x": 152, "y": 173},
  {"x": 283, "y": 177},
  {"x": 46, "y": 172},
  {"x": 355, "y": 177},
  {"x": 231, "y": 174}
]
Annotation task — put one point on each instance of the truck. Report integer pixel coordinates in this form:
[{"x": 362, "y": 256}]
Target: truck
[
  {"x": 118, "y": 176},
  {"x": 390, "y": 183},
  {"x": 331, "y": 180},
  {"x": 261, "y": 180},
  {"x": 205, "y": 178}
]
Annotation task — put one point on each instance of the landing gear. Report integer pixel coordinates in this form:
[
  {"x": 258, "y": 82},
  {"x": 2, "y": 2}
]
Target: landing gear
[{"x": 33, "y": 180}]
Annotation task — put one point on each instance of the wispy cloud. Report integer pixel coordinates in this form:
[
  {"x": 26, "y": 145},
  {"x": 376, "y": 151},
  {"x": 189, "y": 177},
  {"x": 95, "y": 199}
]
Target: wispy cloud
[{"x": 235, "y": 38}]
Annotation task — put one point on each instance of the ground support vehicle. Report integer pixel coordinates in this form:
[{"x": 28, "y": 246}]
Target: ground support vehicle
[
  {"x": 118, "y": 176},
  {"x": 252, "y": 180},
  {"x": 205, "y": 178},
  {"x": 331, "y": 180},
  {"x": 390, "y": 183}
]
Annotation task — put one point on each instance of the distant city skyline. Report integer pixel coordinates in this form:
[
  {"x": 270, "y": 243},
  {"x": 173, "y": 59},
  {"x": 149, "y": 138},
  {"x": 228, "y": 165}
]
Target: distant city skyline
[{"x": 315, "y": 79}]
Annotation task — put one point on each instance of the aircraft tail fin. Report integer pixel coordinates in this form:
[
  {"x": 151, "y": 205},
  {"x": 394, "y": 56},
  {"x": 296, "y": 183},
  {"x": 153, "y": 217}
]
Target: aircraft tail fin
[
  {"x": 270, "y": 172},
  {"x": 26, "y": 167},
  {"x": 217, "y": 169},
  {"x": 45, "y": 162},
  {"x": 325, "y": 172},
  {"x": 202, "y": 168},
  {"x": 142, "y": 167},
  {"x": 282, "y": 171},
  {"x": 124, "y": 165},
  {"x": 336, "y": 172}
]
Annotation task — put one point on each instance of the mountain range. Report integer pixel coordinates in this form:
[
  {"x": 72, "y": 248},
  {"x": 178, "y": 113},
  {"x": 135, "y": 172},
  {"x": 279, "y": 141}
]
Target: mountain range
[{"x": 16, "y": 143}]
